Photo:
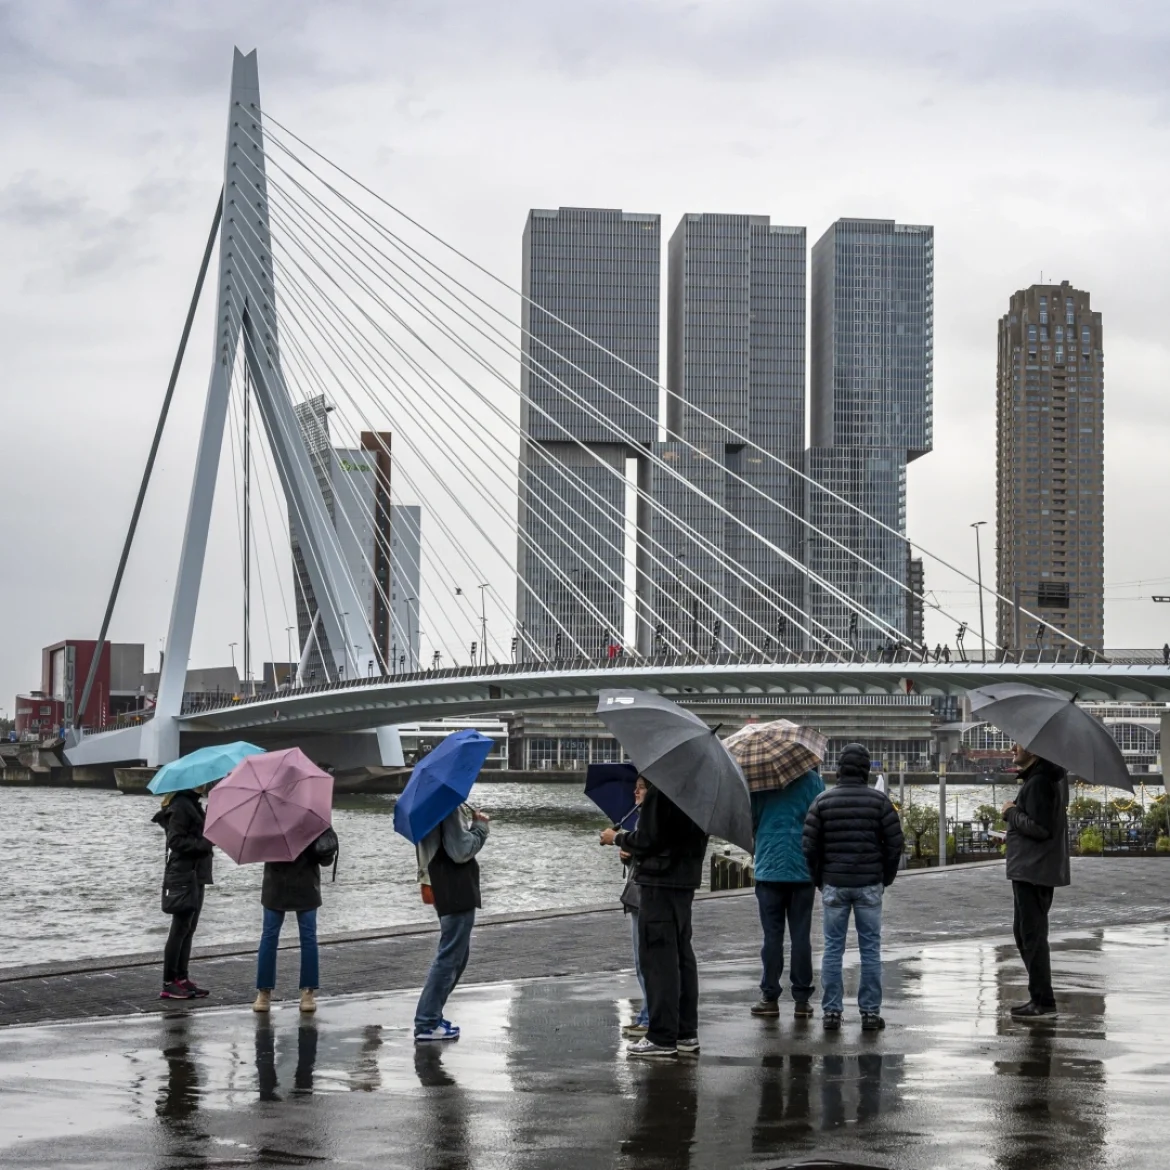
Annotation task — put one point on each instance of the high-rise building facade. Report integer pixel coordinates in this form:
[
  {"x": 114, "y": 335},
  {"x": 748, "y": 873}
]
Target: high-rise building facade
[
  {"x": 872, "y": 375},
  {"x": 589, "y": 373},
  {"x": 378, "y": 541},
  {"x": 1050, "y": 444},
  {"x": 736, "y": 290}
]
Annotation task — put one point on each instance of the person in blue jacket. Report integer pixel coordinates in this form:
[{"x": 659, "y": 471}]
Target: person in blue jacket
[{"x": 785, "y": 892}]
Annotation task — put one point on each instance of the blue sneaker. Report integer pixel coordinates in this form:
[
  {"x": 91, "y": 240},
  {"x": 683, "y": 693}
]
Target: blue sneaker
[{"x": 443, "y": 1030}]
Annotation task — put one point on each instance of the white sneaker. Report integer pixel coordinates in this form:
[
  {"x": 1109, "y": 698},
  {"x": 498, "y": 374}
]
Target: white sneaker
[
  {"x": 689, "y": 1047},
  {"x": 442, "y": 1031},
  {"x": 648, "y": 1050}
]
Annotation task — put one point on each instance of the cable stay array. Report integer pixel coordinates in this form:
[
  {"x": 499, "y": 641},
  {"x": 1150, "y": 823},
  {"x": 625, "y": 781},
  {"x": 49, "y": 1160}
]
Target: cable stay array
[{"x": 396, "y": 344}]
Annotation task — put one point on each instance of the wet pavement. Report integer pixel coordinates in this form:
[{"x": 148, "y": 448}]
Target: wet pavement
[
  {"x": 539, "y": 1080},
  {"x": 923, "y": 906}
]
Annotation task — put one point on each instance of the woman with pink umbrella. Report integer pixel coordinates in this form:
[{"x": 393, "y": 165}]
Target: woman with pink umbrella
[{"x": 277, "y": 808}]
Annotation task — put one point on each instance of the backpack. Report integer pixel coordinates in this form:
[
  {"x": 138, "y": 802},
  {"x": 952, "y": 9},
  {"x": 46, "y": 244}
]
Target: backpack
[{"x": 327, "y": 851}]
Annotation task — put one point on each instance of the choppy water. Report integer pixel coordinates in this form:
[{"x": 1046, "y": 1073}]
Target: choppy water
[{"x": 82, "y": 870}]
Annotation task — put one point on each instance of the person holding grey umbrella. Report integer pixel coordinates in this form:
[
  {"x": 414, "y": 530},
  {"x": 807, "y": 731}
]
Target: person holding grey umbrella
[
  {"x": 1037, "y": 862},
  {"x": 668, "y": 849},
  {"x": 1051, "y": 734}
]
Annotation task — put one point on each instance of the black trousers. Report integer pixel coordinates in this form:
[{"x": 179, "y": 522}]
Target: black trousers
[
  {"x": 177, "y": 953},
  {"x": 1032, "y": 904},
  {"x": 668, "y": 964}
]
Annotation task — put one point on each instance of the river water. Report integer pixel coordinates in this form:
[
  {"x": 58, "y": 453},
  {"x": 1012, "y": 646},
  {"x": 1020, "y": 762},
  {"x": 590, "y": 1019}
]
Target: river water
[{"x": 82, "y": 871}]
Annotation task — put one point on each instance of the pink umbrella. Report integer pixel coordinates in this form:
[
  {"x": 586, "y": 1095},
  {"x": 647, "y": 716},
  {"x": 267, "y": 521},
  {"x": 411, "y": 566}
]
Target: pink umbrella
[{"x": 270, "y": 807}]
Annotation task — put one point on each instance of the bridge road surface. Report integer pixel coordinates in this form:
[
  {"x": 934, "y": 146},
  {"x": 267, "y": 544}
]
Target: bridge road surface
[{"x": 538, "y": 1078}]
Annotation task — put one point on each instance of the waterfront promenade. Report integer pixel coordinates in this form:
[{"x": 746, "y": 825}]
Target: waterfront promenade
[{"x": 538, "y": 1079}]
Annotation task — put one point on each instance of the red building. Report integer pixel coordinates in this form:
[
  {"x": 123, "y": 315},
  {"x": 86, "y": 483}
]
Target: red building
[{"x": 117, "y": 688}]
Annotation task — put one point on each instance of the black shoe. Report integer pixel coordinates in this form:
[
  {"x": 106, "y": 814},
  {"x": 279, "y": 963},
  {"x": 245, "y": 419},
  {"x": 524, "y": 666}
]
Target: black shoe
[
  {"x": 196, "y": 992},
  {"x": 1021, "y": 1007},
  {"x": 872, "y": 1022},
  {"x": 1032, "y": 1011},
  {"x": 176, "y": 991},
  {"x": 802, "y": 1010},
  {"x": 766, "y": 1007},
  {"x": 832, "y": 1021}
]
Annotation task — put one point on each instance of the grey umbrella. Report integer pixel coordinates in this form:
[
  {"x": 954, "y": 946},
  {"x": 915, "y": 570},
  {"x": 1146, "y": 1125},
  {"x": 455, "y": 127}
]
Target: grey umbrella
[
  {"x": 1052, "y": 726},
  {"x": 683, "y": 758}
]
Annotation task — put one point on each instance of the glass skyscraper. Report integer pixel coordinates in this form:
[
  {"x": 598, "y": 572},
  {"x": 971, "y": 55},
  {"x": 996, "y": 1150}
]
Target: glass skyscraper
[
  {"x": 591, "y": 280},
  {"x": 871, "y": 415},
  {"x": 735, "y": 356}
]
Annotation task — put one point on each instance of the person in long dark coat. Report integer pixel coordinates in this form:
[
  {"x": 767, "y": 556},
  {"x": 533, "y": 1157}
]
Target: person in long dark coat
[
  {"x": 1037, "y": 862},
  {"x": 290, "y": 887},
  {"x": 188, "y": 871}
]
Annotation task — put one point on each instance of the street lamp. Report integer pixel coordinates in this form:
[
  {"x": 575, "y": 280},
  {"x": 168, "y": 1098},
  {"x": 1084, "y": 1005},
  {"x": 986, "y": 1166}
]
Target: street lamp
[
  {"x": 410, "y": 632},
  {"x": 979, "y": 571},
  {"x": 232, "y": 647},
  {"x": 288, "y": 631},
  {"x": 483, "y": 621}
]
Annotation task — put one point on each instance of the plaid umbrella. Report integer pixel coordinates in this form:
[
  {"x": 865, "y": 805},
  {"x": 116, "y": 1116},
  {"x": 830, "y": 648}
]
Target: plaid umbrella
[{"x": 772, "y": 755}]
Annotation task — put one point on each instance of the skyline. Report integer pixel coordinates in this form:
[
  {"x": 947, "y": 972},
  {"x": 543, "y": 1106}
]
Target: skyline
[{"x": 104, "y": 218}]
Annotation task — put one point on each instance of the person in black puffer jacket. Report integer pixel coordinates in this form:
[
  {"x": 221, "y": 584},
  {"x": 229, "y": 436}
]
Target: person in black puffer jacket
[
  {"x": 853, "y": 844},
  {"x": 188, "y": 871},
  {"x": 668, "y": 849}
]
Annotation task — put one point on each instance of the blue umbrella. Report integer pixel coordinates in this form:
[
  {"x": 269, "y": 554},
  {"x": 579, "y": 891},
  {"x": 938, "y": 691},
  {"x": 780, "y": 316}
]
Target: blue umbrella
[
  {"x": 611, "y": 788},
  {"x": 440, "y": 783},
  {"x": 205, "y": 766}
]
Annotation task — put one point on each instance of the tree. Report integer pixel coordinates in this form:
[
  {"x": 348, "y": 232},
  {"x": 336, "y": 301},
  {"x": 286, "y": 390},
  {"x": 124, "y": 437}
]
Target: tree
[
  {"x": 988, "y": 815},
  {"x": 1124, "y": 807},
  {"x": 1157, "y": 816},
  {"x": 1084, "y": 808},
  {"x": 920, "y": 823}
]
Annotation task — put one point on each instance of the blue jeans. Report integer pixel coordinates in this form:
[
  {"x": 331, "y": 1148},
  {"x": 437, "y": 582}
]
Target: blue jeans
[
  {"x": 270, "y": 939},
  {"x": 446, "y": 968},
  {"x": 866, "y": 904},
  {"x": 788, "y": 903},
  {"x": 643, "y": 1017}
]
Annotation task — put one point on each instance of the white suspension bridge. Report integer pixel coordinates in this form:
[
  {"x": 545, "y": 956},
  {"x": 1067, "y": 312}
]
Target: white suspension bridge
[{"x": 331, "y": 298}]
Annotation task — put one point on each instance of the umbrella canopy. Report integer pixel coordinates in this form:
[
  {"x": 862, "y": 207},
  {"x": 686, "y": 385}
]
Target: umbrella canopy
[
  {"x": 772, "y": 755},
  {"x": 270, "y": 807},
  {"x": 440, "y": 783},
  {"x": 205, "y": 766},
  {"x": 1052, "y": 726},
  {"x": 684, "y": 759},
  {"x": 611, "y": 788}
]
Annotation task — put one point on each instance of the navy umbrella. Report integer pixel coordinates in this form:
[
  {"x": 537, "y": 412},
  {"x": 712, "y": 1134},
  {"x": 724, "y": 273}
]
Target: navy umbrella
[{"x": 611, "y": 788}]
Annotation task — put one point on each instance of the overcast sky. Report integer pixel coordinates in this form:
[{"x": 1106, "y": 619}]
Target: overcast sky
[{"x": 1034, "y": 137}]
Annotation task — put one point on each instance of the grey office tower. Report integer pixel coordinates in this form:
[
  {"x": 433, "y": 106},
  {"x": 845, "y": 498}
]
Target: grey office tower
[
  {"x": 871, "y": 414},
  {"x": 588, "y": 374},
  {"x": 735, "y": 372}
]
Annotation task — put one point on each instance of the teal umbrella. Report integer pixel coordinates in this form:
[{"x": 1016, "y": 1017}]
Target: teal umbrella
[{"x": 205, "y": 766}]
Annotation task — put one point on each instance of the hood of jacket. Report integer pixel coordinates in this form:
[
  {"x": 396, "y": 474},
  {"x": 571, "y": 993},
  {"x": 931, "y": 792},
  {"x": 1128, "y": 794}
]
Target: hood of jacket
[{"x": 853, "y": 764}]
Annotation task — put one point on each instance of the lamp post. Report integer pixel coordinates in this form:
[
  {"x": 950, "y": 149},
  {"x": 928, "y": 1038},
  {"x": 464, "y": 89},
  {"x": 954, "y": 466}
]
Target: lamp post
[
  {"x": 483, "y": 621},
  {"x": 232, "y": 647},
  {"x": 288, "y": 633},
  {"x": 979, "y": 573}
]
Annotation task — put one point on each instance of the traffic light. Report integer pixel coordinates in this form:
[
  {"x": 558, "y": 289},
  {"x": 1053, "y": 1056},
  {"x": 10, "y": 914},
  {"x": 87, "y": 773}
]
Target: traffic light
[{"x": 474, "y": 651}]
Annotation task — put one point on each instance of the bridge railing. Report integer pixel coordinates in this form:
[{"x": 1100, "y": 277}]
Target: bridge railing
[{"x": 888, "y": 656}]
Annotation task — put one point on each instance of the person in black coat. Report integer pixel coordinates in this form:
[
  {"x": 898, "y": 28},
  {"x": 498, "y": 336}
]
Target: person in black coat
[
  {"x": 668, "y": 848},
  {"x": 1037, "y": 862},
  {"x": 290, "y": 887},
  {"x": 187, "y": 872},
  {"x": 853, "y": 845}
]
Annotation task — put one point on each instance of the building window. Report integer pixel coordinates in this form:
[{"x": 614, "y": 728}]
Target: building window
[
  {"x": 1043, "y": 310},
  {"x": 1069, "y": 317}
]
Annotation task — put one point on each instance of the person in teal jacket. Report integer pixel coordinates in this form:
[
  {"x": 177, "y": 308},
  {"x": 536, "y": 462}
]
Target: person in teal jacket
[{"x": 785, "y": 892}]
